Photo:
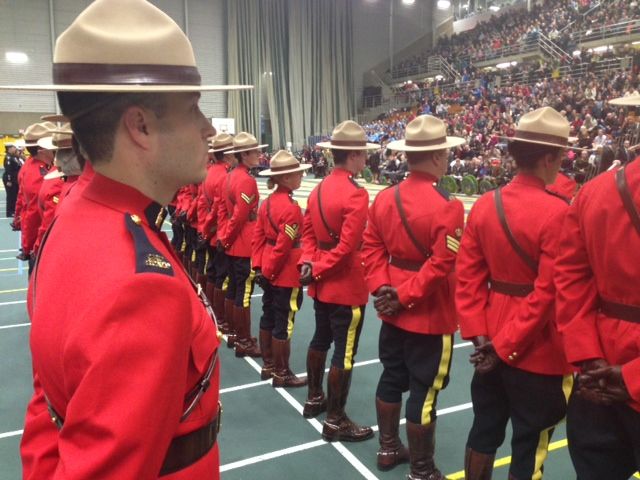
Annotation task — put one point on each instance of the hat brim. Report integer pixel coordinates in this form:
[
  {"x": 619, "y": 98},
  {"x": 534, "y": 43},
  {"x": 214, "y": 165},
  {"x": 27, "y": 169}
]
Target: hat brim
[
  {"x": 238, "y": 150},
  {"x": 46, "y": 143},
  {"x": 55, "y": 118},
  {"x": 401, "y": 145},
  {"x": 271, "y": 173},
  {"x": 629, "y": 100},
  {"x": 540, "y": 142},
  {"x": 367, "y": 146},
  {"x": 52, "y": 175},
  {"x": 30, "y": 144},
  {"x": 225, "y": 150},
  {"x": 126, "y": 88}
]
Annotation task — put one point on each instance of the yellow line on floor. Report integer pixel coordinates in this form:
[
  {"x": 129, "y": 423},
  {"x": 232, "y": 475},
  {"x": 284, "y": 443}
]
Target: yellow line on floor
[
  {"x": 8, "y": 269},
  {"x": 14, "y": 290}
]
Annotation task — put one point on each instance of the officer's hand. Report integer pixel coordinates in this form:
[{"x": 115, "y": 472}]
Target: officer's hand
[
  {"x": 387, "y": 302},
  {"x": 15, "y": 227},
  {"x": 306, "y": 274},
  {"x": 604, "y": 385},
  {"x": 261, "y": 280},
  {"x": 485, "y": 358},
  {"x": 220, "y": 247},
  {"x": 9, "y": 184}
]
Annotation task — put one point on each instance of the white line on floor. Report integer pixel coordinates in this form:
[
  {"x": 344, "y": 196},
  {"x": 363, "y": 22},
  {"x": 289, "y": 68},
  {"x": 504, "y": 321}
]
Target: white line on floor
[
  {"x": 15, "y": 433},
  {"x": 10, "y": 250},
  {"x": 3, "y": 327},
  {"x": 12, "y": 303},
  {"x": 271, "y": 455}
]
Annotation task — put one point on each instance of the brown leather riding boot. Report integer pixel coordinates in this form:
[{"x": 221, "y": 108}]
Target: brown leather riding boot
[
  {"x": 422, "y": 444},
  {"x": 282, "y": 374},
  {"x": 201, "y": 279},
  {"x": 392, "y": 452},
  {"x": 246, "y": 345},
  {"x": 477, "y": 466},
  {"x": 218, "y": 308},
  {"x": 316, "y": 403},
  {"x": 229, "y": 309},
  {"x": 266, "y": 342},
  {"x": 337, "y": 426}
]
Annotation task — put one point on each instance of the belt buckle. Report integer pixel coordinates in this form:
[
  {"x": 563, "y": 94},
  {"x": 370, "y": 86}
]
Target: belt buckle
[{"x": 219, "y": 419}]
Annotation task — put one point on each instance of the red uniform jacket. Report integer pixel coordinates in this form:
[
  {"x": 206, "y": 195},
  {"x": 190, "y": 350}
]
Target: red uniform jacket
[
  {"x": 191, "y": 205},
  {"x": 68, "y": 184},
  {"x": 437, "y": 221},
  {"x": 240, "y": 204},
  {"x": 211, "y": 195},
  {"x": 20, "y": 199},
  {"x": 75, "y": 187},
  {"x": 34, "y": 170},
  {"x": 337, "y": 266},
  {"x": 48, "y": 199},
  {"x": 564, "y": 186},
  {"x": 276, "y": 239},
  {"x": 522, "y": 329},
  {"x": 117, "y": 342},
  {"x": 600, "y": 254}
]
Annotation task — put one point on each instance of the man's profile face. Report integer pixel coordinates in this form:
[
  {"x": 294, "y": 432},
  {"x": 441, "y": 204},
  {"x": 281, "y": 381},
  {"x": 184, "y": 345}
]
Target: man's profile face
[{"x": 183, "y": 130}]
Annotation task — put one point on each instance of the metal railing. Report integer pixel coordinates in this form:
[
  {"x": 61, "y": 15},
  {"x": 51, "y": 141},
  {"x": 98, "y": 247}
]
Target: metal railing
[
  {"x": 551, "y": 49},
  {"x": 622, "y": 29},
  {"x": 435, "y": 65}
]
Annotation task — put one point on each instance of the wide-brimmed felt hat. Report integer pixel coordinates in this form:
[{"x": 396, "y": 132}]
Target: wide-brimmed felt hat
[
  {"x": 221, "y": 142},
  {"x": 59, "y": 139},
  {"x": 348, "y": 135},
  {"x": 423, "y": 134},
  {"x": 55, "y": 118},
  {"x": 632, "y": 99},
  {"x": 283, "y": 162},
  {"x": 244, "y": 142},
  {"x": 36, "y": 131},
  {"x": 544, "y": 126},
  {"x": 124, "y": 46}
]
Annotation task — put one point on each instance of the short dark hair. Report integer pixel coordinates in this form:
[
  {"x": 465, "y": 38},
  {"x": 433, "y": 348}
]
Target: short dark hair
[
  {"x": 219, "y": 155},
  {"x": 33, "y": 151},
  {"x": 95, "y": 116},
  {"x": 527, "y": 154},
  {"x": 340, "y": 156},
  {"x": 413, "y": 158}
]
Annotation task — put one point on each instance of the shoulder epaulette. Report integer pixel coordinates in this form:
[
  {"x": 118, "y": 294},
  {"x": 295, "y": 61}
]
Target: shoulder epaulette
[
  {"x": 354, "y": 181},
  {"x": 443, "y": 192},
  {"x": 560, "y": 196},
  {"x": 148, "y": 259}
]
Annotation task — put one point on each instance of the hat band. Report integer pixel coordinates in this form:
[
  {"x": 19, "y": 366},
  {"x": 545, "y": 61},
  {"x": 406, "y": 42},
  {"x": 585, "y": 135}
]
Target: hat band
[
  {"x": 349, "y": 143},
  {"x": 425, "y": 143},
  {"x": 223, "y": 147},
  {"x": 285, "y": 167},
  {"x": 64, "y": 143},
  {"x": 540, "y": 137},
  {"x": 119, "y": 74}
]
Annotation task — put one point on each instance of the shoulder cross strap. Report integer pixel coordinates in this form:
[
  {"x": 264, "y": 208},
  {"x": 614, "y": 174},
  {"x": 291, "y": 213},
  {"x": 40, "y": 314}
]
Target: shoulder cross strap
[
  {"x": 531, "y": 263},
  {"x": 332, "y": 234},
  {"x": 623, "y": 189},
  {"x": 405, "y": 223},
  {"x": 269, "y": 217}
]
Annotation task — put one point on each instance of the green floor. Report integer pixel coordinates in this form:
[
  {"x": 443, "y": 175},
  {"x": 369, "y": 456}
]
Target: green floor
[{"x": 263, "y": 433}]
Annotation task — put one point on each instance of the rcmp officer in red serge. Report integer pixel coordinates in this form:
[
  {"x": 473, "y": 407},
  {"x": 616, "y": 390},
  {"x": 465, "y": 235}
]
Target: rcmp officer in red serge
[
  {"x": 240, "y": 205},
  {"x": 409, "y": 250},
  {"x": 275, "y": 254},
  {"x": 125, "y": 365},
  {"x": 505, "y": 299},
  {"x": 598, "y": 314},
  {"x": 217, "y": 270},
  {"x": 331, "y": 264}
]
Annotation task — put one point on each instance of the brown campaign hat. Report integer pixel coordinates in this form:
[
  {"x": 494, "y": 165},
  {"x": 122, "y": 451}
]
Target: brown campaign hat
[
  {"x": 544, "y": 126},
  {"x": 633, "y": 99},
  {"x": 221, "y": 143},
  {"x": 124, "y": 46},
  {"x": 425, "y": 133},
  {"x": 348, "y": 135},
  {"x": 59, "y": 139},
  {"x": 283, "y": 162},
  {"x": 244, "y": 142},
  {"x": 36, "y": 131}
]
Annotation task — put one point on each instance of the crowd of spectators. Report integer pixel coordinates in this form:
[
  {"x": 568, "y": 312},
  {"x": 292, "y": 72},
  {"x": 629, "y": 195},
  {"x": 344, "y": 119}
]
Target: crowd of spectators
[{"x": 560, "y": 20}]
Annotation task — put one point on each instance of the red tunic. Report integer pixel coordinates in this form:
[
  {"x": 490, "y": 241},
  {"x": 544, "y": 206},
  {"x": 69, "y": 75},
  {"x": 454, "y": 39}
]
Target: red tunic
[
  {"x": 211, "y": 194},
  {"x": 437, "y": 221},
  {"x": 19, "y": 200},
  {"x": 240, "y": 204},
  {"x": 276, "y": 239},
  {"x": 48, "y": 200},
  {"x": 117, "y": 342},
  {"x": 564, "y": 186},
  {"x": 34, "y": 171},
  {"x": 600, "y": 254},
  {"x": 522, "y": 329},
  {"x": 338, "y": 271}
]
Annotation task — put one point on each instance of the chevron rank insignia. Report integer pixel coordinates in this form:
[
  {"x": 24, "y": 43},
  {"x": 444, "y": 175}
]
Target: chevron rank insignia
[
  {"x": 453, "y": 244},
  {"x": 291, "y": 230},
  {"x": 157, "y": 261},
  {"x": 247, "y": 198},
  {"x": 55, "y": 199}
]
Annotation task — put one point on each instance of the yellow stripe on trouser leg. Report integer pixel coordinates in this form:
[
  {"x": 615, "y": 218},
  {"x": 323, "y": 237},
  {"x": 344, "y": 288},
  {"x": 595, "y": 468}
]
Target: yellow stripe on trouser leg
[
  {"x": 183, "y": 246},
  {"x": 248, "y": 287},
  {"x": 567, "y": 386},
  {"x": 356, "y": 317},
  {"x": 225, "y": 284},
  {"x": 443, "y": 371},
  {"x": 206, "y": 261},
  {"x": 293, "y": 309},
  {"x": 541, "y": 453}
]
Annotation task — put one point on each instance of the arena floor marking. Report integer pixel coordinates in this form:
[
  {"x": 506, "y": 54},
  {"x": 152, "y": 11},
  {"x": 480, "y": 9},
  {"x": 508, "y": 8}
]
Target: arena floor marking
[
  {"x": 15, "y": 433},
  {"x": 9, "y": 250},
  {"x": 15, "y": 290},
  {"x": 17, "y": 302},
  {"x": 9, "y": 269}
]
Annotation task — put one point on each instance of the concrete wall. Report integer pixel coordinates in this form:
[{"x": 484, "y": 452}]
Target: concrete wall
[{"x": 27, "y": 27}]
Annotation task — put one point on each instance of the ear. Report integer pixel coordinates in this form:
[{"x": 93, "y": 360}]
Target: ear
[{"x": 136, "y": 123}]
